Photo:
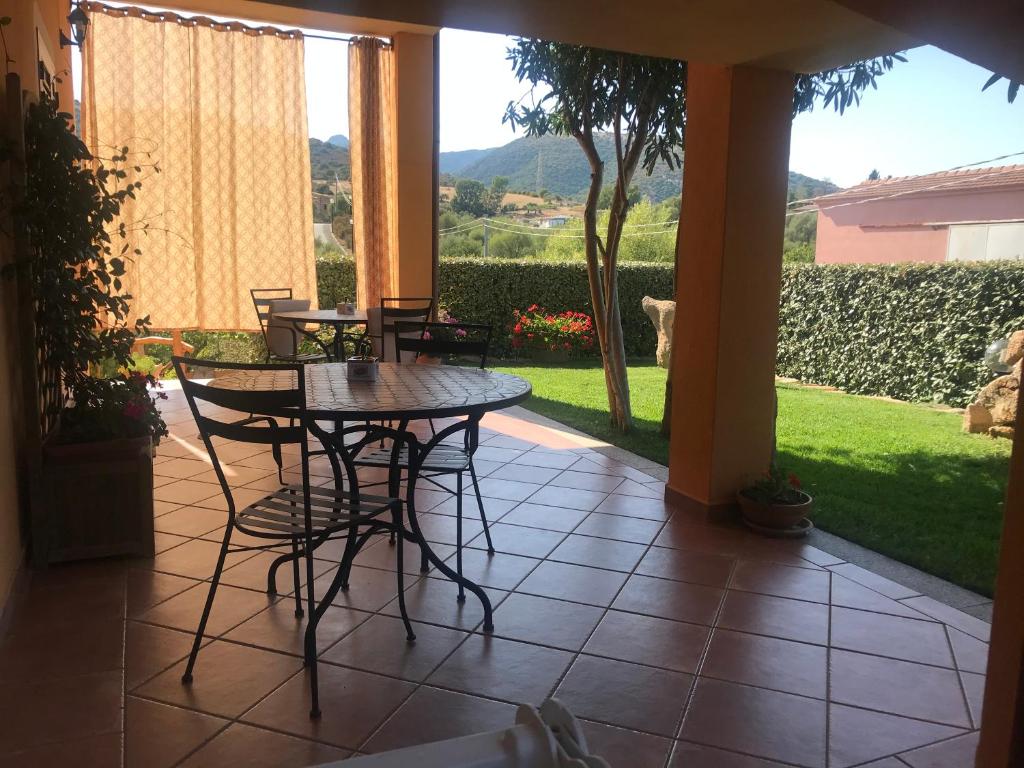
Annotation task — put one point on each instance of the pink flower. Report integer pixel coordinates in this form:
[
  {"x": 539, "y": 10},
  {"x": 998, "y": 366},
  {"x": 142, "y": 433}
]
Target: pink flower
[{"x": 460, "y": 332}]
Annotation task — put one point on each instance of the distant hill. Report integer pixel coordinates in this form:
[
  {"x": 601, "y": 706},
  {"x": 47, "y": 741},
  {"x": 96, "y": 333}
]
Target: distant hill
[
  {"x": 455, "y": 162},
  {"x": 338, "y": 140},
  {"x": 326, "y": 160},
  {"x": 557, "y": 164},
  {"x": 802, "y": 187}
]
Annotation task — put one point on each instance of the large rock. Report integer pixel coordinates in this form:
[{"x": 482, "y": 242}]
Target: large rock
[
  {"x": 663, "y": 315},
  {"x": 994, "y": 409},
  {"x": 1014, "y": 351}
]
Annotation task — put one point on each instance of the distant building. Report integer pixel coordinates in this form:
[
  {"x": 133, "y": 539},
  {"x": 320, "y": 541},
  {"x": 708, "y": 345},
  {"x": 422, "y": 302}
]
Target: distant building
[
  {"x": 971, "y": 215},
  {"x": 554, "y": 221}
]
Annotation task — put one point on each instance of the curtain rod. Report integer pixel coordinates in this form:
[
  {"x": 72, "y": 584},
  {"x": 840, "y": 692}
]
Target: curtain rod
[{"x": 234, "y": 26}]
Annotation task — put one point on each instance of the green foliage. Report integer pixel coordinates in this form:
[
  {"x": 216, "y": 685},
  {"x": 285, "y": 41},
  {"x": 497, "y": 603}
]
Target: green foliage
[
  {"x": 798, "y": 253},
  {"x": 511, "y": 245},
  {"x": 487, "y": 290},
  {"x": 80, "y": 245},
  {"x": 327, "y": 160},
  {"x": 470, "y": 197},
  {"x": 461, "y": 245},
  {"x": 801, "y": 228},
  {"x": 336, "y": 281},
  {"x": 912, "y": 332}
]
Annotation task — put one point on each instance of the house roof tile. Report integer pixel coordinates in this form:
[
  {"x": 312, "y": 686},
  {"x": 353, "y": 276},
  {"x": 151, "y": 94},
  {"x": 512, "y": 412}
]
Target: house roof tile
[{"x": 944, "y": 181}]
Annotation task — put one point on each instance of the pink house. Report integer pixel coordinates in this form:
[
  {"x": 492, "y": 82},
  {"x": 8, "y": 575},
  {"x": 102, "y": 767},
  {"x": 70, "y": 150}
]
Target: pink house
[{"x": 971, "y": 215}]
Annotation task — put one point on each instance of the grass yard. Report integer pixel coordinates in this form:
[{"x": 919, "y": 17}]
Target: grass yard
[{"x": 900, "y": 478}]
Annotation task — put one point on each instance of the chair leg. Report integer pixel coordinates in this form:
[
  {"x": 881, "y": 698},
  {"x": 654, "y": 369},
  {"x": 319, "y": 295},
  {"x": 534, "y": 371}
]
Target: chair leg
[
  {"x": 187, "y": 677},
  {"x": 310, "y": 654},
  {"x": 480, "y": 504},
  {"x": 458, "y": 534},
  {"x": 409, "y": 634},
  {"x": 295, "y": 576}
]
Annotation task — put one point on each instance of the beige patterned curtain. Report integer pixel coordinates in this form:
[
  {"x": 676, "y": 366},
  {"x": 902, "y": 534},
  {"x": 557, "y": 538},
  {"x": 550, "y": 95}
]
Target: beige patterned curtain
[
  {"x": 221, "y": 109},
  {"x": 371, "y": 124}
]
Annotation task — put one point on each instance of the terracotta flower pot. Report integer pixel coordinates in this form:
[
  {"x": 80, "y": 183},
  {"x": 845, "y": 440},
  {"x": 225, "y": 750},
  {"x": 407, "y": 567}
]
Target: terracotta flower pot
[{"x": 776, "y": 516}]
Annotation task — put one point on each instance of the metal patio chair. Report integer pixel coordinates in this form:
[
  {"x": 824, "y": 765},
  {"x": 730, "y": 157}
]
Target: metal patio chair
[
  {"x": 437, "y": 340},
  {"x": 301, "y": 515},
  {"x": 281, "y": 338}
]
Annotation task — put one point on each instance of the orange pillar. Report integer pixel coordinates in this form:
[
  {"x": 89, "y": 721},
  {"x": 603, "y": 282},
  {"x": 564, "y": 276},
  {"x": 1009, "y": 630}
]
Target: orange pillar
[
  {"x": 414, "y": 162},
  {"x": 1002, "y": 724},
  {"x": 729, "y": 269}
]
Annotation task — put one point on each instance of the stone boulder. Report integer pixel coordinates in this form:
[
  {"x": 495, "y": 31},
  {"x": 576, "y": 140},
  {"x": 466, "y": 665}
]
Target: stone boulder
[
  {"x": 994, "y": 409},
  {"x": 663, "y": 315}
]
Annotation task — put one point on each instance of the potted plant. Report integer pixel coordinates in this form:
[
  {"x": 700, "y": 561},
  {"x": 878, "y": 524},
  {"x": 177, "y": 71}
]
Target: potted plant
[
  {"x": 551, "y": 338},
  {"x": 97, "y": 468},
  {"x": 776, "y": 504}
]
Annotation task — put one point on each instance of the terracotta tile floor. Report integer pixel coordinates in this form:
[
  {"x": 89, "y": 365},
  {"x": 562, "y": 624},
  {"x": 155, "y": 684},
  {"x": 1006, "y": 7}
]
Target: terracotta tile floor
[{"x": 678, "y": 643}]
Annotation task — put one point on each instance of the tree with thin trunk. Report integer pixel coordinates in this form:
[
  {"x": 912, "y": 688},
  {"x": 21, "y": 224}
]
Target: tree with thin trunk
[{"x": 641, "y": 101}]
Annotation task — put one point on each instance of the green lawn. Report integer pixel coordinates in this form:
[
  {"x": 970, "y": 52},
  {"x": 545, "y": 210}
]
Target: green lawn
[{"x": 899, "y": 478}]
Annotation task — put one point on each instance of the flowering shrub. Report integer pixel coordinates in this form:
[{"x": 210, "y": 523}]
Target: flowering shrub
[
  {"x": 118, "y": 407},
  {"x": 536, "y": 328},
  {"x": 777, "y": 487}
]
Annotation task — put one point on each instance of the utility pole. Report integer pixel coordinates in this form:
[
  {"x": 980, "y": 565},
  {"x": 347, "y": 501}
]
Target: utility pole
[{"x": 486, "y": 238}]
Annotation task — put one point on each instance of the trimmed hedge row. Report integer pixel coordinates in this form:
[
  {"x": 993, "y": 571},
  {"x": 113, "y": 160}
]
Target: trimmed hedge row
[
  {"x": 912, "y": 332},
  {"x": 908, "y": 331},
  {"x": 487, "y": 290}
]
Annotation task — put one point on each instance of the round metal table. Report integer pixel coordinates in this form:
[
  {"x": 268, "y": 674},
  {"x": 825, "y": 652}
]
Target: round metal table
[
  {"x": 324, "y": 317},
  {"x": 402, "y": 393}
]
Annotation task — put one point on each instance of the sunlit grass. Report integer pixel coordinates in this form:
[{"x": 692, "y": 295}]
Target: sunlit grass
[{"x": 899, "y": 478}]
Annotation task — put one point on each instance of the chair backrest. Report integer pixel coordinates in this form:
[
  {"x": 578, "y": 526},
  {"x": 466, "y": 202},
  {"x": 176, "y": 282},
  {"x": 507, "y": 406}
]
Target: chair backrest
[
  {"x": 282, "y": 338},
  {"x": 261, "y": 298},
  {"x": 217, "y": 409},
  {"x": 380, "y": 323},
  {"x": 440, "y": 339}
]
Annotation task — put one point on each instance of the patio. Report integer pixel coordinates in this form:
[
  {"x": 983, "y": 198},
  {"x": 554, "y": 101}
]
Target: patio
[{"x": 679, "y": 643}]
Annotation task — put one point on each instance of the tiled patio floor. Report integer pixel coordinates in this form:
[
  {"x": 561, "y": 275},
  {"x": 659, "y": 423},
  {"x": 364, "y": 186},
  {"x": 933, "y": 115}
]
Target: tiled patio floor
[{"x": 680, "y": 643}]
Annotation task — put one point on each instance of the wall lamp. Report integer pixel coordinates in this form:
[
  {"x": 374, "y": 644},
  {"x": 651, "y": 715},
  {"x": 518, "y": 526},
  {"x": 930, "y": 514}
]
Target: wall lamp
[{"x": 79, "y": 25}]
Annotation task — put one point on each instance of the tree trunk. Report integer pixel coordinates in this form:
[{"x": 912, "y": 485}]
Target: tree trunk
[{"x": 604, "y": 297}]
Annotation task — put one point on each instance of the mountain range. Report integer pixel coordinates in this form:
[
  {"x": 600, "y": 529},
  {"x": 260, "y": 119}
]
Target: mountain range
[{"x": 534, "y": 164}]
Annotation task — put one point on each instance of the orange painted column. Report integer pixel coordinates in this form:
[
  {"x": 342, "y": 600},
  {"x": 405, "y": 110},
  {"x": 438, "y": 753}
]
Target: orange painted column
[
  {"x": 729, "y": 270},
  {"x": 414, "y": 160},
  {"x": 1002, "y": 724}
]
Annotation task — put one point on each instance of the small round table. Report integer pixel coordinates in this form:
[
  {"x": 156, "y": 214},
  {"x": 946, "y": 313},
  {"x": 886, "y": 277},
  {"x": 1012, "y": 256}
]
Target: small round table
[
  {"x": 324, "y": 317},
  {"x": 402, "y": 393}
]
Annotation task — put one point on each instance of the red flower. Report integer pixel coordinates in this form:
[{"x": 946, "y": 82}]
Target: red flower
[
  {"x": 532, "y": 308},
  {"x": 518, "y": 329},
  {"x": 134, "y": 410},
  {"x": 794, "y": 480}
]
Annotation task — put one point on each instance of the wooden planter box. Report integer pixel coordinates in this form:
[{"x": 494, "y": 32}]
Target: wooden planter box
[{"x": 97, "y": 500}]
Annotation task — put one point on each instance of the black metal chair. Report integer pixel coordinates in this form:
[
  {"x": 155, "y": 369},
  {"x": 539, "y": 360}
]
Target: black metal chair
[
  {"x": 281, "y": 339},
  {"x": 439, "y": 457},
  {"x": 380, "y": 322},
  {"x": 302, "y": 515}
]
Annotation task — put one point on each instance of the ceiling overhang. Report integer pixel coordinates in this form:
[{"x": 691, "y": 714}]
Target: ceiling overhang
[{"x": 798, "y": 35}]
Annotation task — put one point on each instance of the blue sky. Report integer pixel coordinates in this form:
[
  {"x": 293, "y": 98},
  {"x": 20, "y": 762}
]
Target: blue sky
[{"x": 927, "y": 115}]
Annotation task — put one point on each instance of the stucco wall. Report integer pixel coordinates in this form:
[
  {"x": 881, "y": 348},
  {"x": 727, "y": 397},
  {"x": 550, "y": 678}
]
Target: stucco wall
[
  {"x": 911, "y": 228},
  {"x": 35, "y": 27}
]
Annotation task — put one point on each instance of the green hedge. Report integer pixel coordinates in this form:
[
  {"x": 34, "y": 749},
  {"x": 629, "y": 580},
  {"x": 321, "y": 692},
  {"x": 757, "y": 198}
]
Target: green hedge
[
  {"x": 487, "y": 290},
  {"x": 912, "y": 332}
]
